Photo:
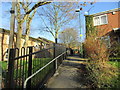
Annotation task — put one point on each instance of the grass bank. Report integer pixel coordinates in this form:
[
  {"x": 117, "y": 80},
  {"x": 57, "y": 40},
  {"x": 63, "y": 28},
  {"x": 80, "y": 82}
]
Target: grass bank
[{"x": 21, "y": 70}]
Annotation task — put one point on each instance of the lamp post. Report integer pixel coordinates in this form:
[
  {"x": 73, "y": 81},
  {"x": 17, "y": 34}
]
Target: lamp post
[
  {"x": 81, "y": 51},
  {"x": 89, "y": 10}
]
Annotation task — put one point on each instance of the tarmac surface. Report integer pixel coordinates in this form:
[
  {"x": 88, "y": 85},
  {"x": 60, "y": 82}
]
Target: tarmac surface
[{"x": 69, "y": 74}]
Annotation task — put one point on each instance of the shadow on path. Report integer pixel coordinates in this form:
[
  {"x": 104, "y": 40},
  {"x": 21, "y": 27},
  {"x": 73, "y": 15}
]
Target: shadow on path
[{"x": 69, "y": 74}]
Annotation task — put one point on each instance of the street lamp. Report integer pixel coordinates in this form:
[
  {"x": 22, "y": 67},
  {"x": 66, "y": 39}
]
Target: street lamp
[
  {"x": 78, "y": 10},
  {"x": 89, "y": 10}
]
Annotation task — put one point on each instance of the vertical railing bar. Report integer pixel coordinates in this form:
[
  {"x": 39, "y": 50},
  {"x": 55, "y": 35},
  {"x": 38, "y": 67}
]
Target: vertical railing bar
[
  {"x": 10, "y": 83},
  {"x": 30, "y": 66},
  {"x": 23, "y": 77},
  {"x": 48, "y": 59},
  {"x": 34, "y": 69},
  {"x": 26, "y": 63},
  {"x": 21, "y": 65},
  {"x": 17, "y": 68},
  {"x": 37, "y": 68},
  {"x": 54, "y": 46},
  {"x": 33, "y": 66},
  {"x": 56, "y": 64},
  {"x": 45, "y": 62},
  {"x": 40, "y": 67}
]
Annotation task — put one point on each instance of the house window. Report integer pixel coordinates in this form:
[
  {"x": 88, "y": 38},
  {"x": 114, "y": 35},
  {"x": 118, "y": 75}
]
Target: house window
[
  {"x": 104, "y": 19},
  {"x": 7, "y": 41},
  {"x": 106, "y": 39},
  {"x": 100, "y": 20},
  {"x": 96, "y": 21}
]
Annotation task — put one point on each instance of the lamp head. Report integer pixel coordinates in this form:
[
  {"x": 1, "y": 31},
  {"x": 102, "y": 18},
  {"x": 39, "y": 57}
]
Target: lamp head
[
  {"x": 77, "y": 10},
  {"x": 86, "y": 13}
]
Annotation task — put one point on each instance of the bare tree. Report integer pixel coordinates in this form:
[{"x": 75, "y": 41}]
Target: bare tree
[
  {"x": 58, "y": 14},
  {"x": 28, "y": 20},
  {"x": 69, "y": 37},
  {"x": 26, "y": 16}
]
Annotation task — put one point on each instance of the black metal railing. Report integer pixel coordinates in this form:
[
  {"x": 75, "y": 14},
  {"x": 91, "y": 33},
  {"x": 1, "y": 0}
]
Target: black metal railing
[{"x": 24, "y": 62}]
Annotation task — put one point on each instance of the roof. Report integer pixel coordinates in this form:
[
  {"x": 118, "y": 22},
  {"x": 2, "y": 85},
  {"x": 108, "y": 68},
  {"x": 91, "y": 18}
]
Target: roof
[
  {"x": 23, "y": 36},
  {"x": 105, "y": 12},
  {"x": 44, "y": 39},
  {"x": 116, "y": 29}
]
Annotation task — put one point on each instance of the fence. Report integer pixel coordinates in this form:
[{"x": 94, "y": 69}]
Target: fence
[{"x": 26, "y": 61}]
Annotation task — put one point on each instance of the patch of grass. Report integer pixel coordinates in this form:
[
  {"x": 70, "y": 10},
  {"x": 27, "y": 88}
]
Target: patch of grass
[
  {"x": 114, "y": 59},
  {"x": 3, "y": 65},
  {"x": 115, "y": 63},
  {"x": 103, "y": 75},
  {"x": 22, "y": 70}
]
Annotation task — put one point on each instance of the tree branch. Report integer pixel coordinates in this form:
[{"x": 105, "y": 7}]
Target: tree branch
[{"x": 37, "y": 5}]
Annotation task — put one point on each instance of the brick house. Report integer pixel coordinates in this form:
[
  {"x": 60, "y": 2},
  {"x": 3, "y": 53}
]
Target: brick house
[
  {"x": 109, "y": 22},
  {"x": 4, "y": 41}
]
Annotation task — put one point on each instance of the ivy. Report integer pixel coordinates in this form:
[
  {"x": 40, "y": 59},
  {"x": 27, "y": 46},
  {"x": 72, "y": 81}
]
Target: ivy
[{"x": 89, "y": 24}]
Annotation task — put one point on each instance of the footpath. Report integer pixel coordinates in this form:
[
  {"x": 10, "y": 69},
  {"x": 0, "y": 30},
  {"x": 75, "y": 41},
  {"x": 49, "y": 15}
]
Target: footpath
[{"x": 69, "y": 74}]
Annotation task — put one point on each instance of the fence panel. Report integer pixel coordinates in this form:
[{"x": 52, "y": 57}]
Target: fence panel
[{"x": 26, "y": 61}]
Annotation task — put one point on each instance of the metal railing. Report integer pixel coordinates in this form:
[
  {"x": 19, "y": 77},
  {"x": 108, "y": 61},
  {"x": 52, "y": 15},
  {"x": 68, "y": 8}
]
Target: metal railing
[
  {"x": 55, "y": 59},
  {"x": 24, "y": 62}
]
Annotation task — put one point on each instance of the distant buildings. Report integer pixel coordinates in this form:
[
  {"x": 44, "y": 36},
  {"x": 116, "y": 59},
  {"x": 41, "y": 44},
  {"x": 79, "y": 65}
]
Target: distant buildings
[{"x": 4, "y": 42}]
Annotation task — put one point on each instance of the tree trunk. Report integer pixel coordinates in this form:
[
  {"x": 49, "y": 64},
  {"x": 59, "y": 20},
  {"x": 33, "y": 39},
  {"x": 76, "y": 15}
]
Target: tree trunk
[
  {"x": 19, "y": 35},
  {"x": 27, "y": 33},
  {"x": 28, "y": 24},
  {"x": 19, "y": 27}
]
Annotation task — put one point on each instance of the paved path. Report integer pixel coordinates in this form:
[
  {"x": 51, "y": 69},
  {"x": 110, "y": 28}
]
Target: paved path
[{"x": 68, "y": 74}]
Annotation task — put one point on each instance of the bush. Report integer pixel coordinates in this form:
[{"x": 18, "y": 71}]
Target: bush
[
  {"x": 100, "y": 73},
  {"x": 115, "y": 50},
  {"x": 103, "y": 75}
]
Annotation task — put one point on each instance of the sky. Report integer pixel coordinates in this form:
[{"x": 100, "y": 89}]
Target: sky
[{"x": 37, "y": 23}]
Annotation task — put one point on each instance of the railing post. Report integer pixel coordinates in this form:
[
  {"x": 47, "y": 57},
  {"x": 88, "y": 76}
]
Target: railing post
[
  {"x": 10, "y": 75},
  {"x": 54, "y": 55},
  {"x": 66, "y": 53},
  {"x": 63, "y": 56},
  {"x": 53, "y": 50},
  {"x": 56, "y": 66},
  {"x": 30, "y": 66}
]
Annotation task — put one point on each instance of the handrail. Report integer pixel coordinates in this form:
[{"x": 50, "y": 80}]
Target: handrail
[
  {"x": 25, "y": 83},
  {"x": 32, "y": 53}
]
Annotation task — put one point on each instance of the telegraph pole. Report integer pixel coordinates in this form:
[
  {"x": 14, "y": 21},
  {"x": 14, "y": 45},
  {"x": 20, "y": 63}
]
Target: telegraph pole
[
  {"x": 81, "y": 49},
  {"x": 12, "y": 25}
]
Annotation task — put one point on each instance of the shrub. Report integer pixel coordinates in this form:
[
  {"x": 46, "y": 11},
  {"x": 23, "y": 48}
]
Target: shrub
[
  {"x": 100, "y": 73},
  {"x": 115, "y": 50}
]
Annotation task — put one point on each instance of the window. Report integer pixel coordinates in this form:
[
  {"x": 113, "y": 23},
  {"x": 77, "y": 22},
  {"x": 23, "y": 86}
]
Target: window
[
  {"x": 103, "y": 19},
  {"x": 96, "y": 21},
  {"x": 7, "y": 40},
  {"x": 100, "y": 20},
  {"x": 106, "y": 39}
]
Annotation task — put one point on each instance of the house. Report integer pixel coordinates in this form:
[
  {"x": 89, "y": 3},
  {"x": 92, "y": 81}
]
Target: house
[
  {"x": 109, "y": 21},
  {"x": 107, "y": 24},
  {"x": 4, "y": 42}
]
